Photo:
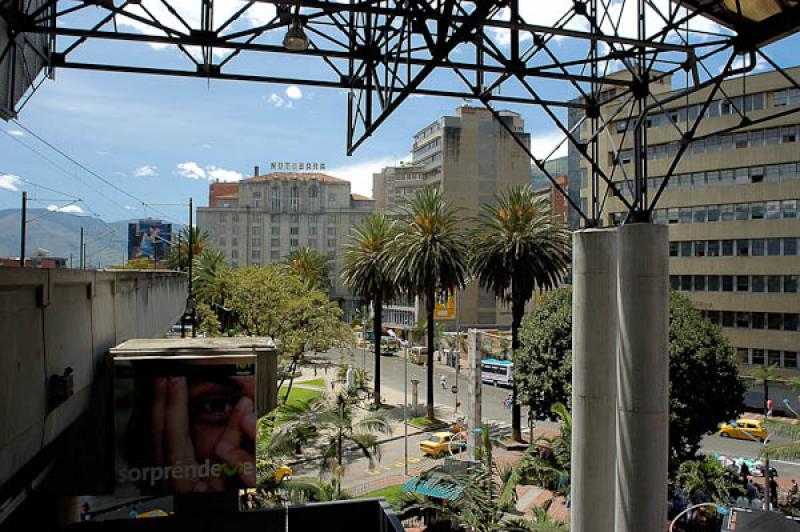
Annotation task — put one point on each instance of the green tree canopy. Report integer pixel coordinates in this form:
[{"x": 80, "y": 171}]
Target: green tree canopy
[
  {"x": 311, "y": 266},
  {"x": 705, "y": 386}
]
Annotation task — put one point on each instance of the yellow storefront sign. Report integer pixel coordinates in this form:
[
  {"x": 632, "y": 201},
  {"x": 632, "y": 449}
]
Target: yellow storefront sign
[{"x": 445, "y": 307}]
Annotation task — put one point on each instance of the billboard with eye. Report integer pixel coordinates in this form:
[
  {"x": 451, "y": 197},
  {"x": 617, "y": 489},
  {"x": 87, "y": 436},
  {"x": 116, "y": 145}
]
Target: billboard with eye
[{"x": 184, "y": 424}]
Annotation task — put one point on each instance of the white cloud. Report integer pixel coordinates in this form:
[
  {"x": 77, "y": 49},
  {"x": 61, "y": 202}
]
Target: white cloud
[
  {"x": 101, "y": 152},
  {"x": 205, "y": 145},
  {"x": 220, "y": 174},
  {"x": 145, "y": 171},
  {"x": 294, "y": 92},
  {"x": 192, "y": 170},
  {"x": 16, "y": 132},
  {"x": 128, "y": 208},
  {"x": 278, "y": 101},
  {"x": 71, "y": 209},
  {"x": 258, "y": 14},
  {"x": 360, "y": 173},
  {"x": 9, "y": 182},
  {"x": 543, "y": 143}
]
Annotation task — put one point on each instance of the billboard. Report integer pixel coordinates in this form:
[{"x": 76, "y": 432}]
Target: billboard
[
  {"x": 445, "y": 308},
  {"x": 184, "y": 424},
  {"x": 149, "y": 239}
]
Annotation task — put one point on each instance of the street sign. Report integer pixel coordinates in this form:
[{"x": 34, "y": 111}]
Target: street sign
[
  {"x": 454, "y": 388},
  {"x": 445, "y": 308}
]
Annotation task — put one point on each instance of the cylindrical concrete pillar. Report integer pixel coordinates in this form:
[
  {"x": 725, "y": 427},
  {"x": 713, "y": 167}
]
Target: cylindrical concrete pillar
[
  {"x": 594, "y": 379},
  {"x": 642, "y": 399}
]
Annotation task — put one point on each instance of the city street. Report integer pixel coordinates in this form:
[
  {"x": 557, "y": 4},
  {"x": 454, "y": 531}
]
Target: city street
[{"x": 391, "y": 464}]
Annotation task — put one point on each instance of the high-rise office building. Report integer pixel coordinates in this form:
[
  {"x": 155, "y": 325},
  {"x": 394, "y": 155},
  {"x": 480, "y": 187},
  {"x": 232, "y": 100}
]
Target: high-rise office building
[
  {"x": 732, "y": 210},
  {"x": 471, "y": 157},
  {"x": 262, "y": 219}
]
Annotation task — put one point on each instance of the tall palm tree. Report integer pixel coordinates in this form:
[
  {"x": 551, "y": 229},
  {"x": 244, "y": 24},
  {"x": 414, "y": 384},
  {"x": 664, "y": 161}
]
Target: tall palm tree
[
  {"x": 518, "y": 246},
  {"x": 429, "y": 257},
  {"x": 367, "y": 274},
  {"x": 311, "y": 266}
]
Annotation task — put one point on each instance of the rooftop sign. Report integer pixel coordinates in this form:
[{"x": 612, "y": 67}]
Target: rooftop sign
[{"x": 307, "y": 167}]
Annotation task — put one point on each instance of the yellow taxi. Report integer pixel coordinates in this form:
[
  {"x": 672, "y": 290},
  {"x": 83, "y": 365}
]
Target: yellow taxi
[
  {"x": 440, "y": 443},
  {"x": 743, "y": 429},
  {"x": 279, "y": 471}
]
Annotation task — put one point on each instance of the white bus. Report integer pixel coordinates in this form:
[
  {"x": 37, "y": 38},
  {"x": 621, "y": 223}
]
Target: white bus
[{"x": 497, "y": 372}]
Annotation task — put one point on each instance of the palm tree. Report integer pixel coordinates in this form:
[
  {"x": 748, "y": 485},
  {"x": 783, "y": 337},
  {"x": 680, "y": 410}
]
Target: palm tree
[
  {"x": 328, "y": 424},
  {"x": 549, "y": 467},
  {"x": 518, "y": 245},
  {"x": 178, "y": 256},
  {"x": 311, "y": 266},
  {"x": 209, "y": 270},
  {"x": 428, "y": 257},
  {"x": 367, "y": 274},
  {"x": 708, "y": 476}
]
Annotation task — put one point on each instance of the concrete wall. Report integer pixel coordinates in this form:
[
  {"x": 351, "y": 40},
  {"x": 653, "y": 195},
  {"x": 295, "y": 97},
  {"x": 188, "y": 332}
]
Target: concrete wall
[{"x": 54, "y": 319}]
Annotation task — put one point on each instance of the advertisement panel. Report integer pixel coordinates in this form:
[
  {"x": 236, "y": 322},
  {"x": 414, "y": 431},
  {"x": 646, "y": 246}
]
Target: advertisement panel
[
  {"x": 184, "y": 424},
  {"x": 150, "y": 239},
  {"x": 445, "y": 306}
]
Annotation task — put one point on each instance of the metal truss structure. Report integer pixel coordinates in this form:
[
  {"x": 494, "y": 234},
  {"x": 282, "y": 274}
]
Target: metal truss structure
[{"x": 381, "y": 52}]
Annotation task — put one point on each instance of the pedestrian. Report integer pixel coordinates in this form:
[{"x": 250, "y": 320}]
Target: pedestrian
[
  {"x": 85, "y": 515},
  {"x": 773, "y": 492},
  {"x": 443, "y": 381},
  {"x": 793, "y": 490},
  {"x": 744, "y": 472}
]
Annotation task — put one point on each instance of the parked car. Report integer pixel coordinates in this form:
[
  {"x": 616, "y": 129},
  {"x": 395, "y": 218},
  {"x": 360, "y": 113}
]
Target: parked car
[
  {"x": 441, "y": 443},
  {"x": 743, "y": 429}
]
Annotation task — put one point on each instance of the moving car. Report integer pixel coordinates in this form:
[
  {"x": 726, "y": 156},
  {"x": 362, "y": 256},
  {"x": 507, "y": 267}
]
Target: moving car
[
  {"x": 440, "y": 443},
  {"x": 743, "y": 429}
]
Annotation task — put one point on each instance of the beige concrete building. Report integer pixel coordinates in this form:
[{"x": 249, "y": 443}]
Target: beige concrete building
[
  {"x": 263, "y": 219},
  {"x": 471, "y": 157},
  {"x": 732, "y": 210}
]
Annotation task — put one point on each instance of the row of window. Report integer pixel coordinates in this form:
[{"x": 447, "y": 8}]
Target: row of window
[
  {"x": 435, "y": 143},
  {"x": 258, "y": 219},
  {"x": 436, "y": 157},
  {"x": 715, "y": 143},
  {"x": 294, "y": 198},
  {"x": 734, "y": 176},
  {"x": 767, "y": 357},
  {"x": 742, "y": 104},
  {"x": 786, "y": 284},
  {"x": 275, "y": 255},
  {"x": 274, "y": 242},
  {"x": 773, "y": 321},
  {"x": 740, "y": 247},
  {"x": 727, "y": 212}
]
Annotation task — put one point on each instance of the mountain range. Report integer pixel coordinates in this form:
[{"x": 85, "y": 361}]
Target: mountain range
[{"x": 59, "y": 234}]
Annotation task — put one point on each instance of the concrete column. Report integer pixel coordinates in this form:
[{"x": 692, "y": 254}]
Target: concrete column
[
  {"x": 594, "y": 379},
  {"x": 474, "y": 398},
  {"x": 642, "y": 398}
]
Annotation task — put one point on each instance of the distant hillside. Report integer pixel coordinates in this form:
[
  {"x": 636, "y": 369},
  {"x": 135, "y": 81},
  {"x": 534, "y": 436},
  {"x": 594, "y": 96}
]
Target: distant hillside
[{"x": 59, "y": 233}]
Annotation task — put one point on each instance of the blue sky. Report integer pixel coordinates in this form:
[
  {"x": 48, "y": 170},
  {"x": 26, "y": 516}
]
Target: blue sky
[{"x": 162, "y": 139}]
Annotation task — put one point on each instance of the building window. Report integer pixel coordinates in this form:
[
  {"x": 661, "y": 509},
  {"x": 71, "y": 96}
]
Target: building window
[
  {"x": 773, "y": 247},
  {"x": 255, "y": 242},
  {"x": 743, "y": 247},
  {"x": 686, "y": 249},
  {"x": 293, "y": 242},
  {"x": 757, "y": 357},
  {"x": 790, "y": 208},
  {"x": 713, "y": 283},
  {"x": 758, "y": 210},
  {"x": 728, "y": 318},
  {"x": 789, "y": 359},
  {"x": 234, "y": 254},
  {"x": 699, "y": 283},
  {"x": 758, "y": 283},
  {"x": 791, "y": 322},
  {"x": 758, "y": 320},
  {"x": 790, "y": 284},
  {"x": 313, "y": 196},
  {"x": 713, "y": 248},
  {"x": 673, "y": 249},
  {"x": 331, "y": 199},
  {"x": 727, "y": 283},
  {"x": 275, "y": 242},
  {"x": 276, "y": 230},
  {"x": 727, "y": 248},
  {"x": 234, "y": 242},
  {"x": 222, "y": 241},
  {"x": 774, "y": 321},
  {"x": 773, "y": 283},
  {"x": 757, "y": 247},
  {"x": 742, "y": 283},
  {"x": 312, "y": 243},
  {"x": 255, "y": 230},
  {"x": 256, "y": 199},
  {"x": 294, "y": 231},
  {"x": 713, "y": 213},
  {"x": 294, "y": 199},
  {"x": 275, "y": 255},
  {"x": 294, "y": 218},
  {"x": 276, "y": 198},
  {"x": 686, "y": 282},
  {"x": 312, "y": 230},
  {"x": 790, "y": 247},
  {"x": 256, "y": 254},
  {"x": 331, "y": 242},
  {"x": 774, "y": 358},
  {"x": 743, "y": 320}
]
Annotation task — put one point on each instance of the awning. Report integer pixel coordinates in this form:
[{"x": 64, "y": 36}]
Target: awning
[{"x": 434, "y": 488}]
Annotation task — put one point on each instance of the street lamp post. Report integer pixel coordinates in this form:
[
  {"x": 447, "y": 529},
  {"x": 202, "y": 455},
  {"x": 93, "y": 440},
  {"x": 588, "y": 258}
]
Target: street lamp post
[{"x": 405, "y": 411}]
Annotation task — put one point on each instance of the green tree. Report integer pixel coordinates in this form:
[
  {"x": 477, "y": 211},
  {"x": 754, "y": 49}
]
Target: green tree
[
  {"x": 329, "y": 426},
  {"x": 311, "y": 266},
  {"x": 178, "y": 254},
  {"x": 428, "y": 257},
  {"x": 518, "y": 246},
  {"x": 543, "y": 364},
  {"x": 708, "y": 476},
  {"x": 548, "y": 462},
  {"x": 367, "y": 274},
  {"x": 705, "y": 386}
]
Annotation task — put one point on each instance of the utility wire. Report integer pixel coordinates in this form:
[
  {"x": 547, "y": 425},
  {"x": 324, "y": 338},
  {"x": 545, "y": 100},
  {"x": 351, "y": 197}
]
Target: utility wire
[{"x": 87, "y": 169}]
